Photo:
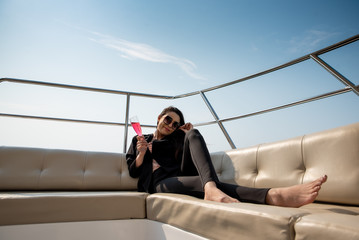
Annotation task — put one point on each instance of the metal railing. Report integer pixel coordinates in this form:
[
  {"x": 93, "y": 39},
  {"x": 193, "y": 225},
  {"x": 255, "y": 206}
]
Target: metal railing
[{"x": 349, "y": 86}]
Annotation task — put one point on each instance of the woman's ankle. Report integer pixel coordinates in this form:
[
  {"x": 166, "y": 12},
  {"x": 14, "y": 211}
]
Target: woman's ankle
[{"x": 210, "y": 185}]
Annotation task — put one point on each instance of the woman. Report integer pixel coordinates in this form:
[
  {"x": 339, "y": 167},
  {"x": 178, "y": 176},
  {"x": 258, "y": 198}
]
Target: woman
[{"x": 175, "y": 159}]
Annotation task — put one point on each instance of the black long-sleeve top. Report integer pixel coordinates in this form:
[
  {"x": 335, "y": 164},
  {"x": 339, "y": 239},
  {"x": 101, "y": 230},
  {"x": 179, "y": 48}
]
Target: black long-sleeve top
[{"x": 163, "y": 151}]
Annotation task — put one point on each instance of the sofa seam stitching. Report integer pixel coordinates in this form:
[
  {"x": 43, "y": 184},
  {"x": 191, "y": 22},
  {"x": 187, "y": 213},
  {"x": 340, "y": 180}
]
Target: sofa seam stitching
[
  {"x": 121, "y": 162},
  {"x": 84, "y": 170},
  {"x": 41, "y": 170},
  {"x": 222, "y": 163},
  {"x": 302, "y": 152},
  {"x": 255, "y": 179}
]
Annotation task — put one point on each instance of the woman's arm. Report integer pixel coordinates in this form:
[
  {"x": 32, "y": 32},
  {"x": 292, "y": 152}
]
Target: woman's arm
[
  {"x": 135, "y": 156},
  {"x": 141, "y": 148}
]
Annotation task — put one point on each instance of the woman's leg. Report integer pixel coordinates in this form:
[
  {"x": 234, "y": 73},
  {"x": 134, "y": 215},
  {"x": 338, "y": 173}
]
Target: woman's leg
[
  {"x": 197, "y": 161},
  {"x": 190, "y": 185},
  {"x": 244, "y": 194}
]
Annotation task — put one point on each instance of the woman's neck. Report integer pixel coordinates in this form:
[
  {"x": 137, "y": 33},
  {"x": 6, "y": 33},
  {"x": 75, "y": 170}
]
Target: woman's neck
[{"x": 157, "y": 135}]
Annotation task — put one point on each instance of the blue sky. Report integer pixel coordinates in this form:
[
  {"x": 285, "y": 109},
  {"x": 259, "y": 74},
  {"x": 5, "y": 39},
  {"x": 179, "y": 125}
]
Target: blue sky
[{"x": 170, "y": 48}]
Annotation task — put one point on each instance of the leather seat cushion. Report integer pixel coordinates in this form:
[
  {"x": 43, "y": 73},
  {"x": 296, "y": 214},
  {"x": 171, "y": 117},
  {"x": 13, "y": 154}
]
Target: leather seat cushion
[
  {"x": 47, "y": 207},
  {"x": 215, "y": 220}
]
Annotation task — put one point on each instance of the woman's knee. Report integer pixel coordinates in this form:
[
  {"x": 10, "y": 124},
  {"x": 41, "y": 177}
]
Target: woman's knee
[
  {"x": 168, "y": 185},
  {"x": 193, "y": 134}
]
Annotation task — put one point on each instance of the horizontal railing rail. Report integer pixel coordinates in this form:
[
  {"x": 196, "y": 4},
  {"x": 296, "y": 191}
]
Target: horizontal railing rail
[
  {"x": 83, "y": 88},
  {"x": 349, "y": 86}
]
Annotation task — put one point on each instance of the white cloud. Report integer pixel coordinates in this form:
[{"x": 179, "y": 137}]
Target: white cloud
[
  {"x": 310, "y": 41},
  {"x": 134, "y": 50},
  {"x": 254, "y": 47}
]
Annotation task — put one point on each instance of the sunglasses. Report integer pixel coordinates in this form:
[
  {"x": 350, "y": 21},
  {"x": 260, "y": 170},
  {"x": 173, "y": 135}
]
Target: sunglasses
[{"x": 168, "y": 120}]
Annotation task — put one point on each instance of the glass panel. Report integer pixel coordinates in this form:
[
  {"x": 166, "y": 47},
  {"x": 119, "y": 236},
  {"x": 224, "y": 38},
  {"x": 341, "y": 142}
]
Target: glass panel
[
  {"x": 296, "y": 121},
  {"x": 194, "y": 109},
  {"x": 61, "y": 103},
  {"x": 214, "y": 137},
  {"x": 304, "y": 80},
  {"x": 345, "y": 61},
  {"x": 60, "y": 135},
  {"x": 148, "y": 109}
]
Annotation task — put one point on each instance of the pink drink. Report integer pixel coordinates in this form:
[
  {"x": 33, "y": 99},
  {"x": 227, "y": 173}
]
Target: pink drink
[{"x": 137, "y": 127}]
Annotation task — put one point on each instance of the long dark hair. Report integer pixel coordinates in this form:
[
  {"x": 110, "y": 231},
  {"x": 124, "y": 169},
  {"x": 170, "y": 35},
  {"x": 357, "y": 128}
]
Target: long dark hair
[{"x": 178, "y": 135}]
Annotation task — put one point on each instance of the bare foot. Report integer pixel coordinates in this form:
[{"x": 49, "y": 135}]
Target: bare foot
[
  {"x": 297, "y": 195},
  {"x": 212, "y": 193}
]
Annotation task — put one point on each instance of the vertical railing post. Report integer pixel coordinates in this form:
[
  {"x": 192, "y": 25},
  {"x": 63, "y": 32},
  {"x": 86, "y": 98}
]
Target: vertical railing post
[
  {"x": 126, "y": 123},
  {"x": 335, "y": 73},
  {"x": 220, "y": 124}
]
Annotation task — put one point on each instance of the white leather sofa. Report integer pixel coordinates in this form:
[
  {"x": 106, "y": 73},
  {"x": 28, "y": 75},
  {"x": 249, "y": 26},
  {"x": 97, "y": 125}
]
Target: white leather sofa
[{"x": 83, "y": 195}]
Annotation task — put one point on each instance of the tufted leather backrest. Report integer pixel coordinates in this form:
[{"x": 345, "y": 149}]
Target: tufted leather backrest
[
  {"x": 47, "y": 169},
  {"x": 299, "y": 160}
]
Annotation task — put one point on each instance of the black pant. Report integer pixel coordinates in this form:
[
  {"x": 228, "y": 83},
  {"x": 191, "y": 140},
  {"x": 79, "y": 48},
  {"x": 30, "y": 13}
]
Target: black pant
[{"x": 197, "y": 169}]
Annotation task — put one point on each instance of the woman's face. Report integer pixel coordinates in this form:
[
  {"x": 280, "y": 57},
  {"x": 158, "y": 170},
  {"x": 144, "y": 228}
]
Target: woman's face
[{"x": 165, "y": 127}]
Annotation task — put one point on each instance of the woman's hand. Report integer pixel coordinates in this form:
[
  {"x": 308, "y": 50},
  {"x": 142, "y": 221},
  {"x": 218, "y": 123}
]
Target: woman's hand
[
  {"x": 141, "y": 144},
  {"x": 141, "y": 148},
  {"x": 185, "y": 128},
  {"x": 150, "y": 147}
]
